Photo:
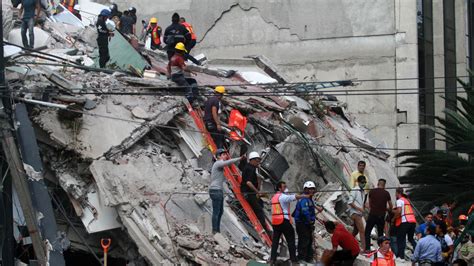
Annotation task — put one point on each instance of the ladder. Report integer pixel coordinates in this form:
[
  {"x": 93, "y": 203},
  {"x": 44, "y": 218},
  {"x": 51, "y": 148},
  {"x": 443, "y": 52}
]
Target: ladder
[{"x": 232, "y": 175}]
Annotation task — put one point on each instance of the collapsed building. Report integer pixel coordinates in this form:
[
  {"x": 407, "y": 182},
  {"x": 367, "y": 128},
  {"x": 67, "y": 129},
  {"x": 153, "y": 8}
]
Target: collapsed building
[{"x": 114, "y": 153}]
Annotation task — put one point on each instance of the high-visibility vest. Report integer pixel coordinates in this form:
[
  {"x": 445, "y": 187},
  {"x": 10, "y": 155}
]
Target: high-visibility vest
[
  {"x": 69, "y": 4},
  {"x": 278, "y": 216},
  {"x": 155, "y": 36},
  {"x": 407, "y": 213},
  {"x": 190, "y": 29},
  {"x": 387, "y": 260}
]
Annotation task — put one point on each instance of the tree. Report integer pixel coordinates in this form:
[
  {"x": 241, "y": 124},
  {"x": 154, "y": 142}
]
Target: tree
[{"x": 445, "y": 176}]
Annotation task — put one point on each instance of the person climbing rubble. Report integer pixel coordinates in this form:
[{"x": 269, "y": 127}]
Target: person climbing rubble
[
  {"x": 305, "y": 218},
  {"x": 176, "y": 69},
  {"x": 176, "y": 33},
  {"x": 212, "y": 108},
  {"x": 251, "y": 185},
  {"x": 29, "y": 13},
  {"x": 155, "y": 31},
  {"x": 104, "y": 32},
  {"x": 281, "y": 220},
  {"x": 340, "y": 237},
  {"x": 190, "y": 45},
  {"x": 357, "y": 208},
  {"x": 383, "y": 256},
  {"x": 216, "y": 187},
  {"x": 360, "y": 171}
]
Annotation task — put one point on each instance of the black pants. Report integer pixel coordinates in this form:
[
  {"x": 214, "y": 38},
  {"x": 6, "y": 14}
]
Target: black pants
[
  {"x": 217, "y": 135},
  {"x": 343, "y": 258},
  {"x": 287, "y": 230},
  {"x": 190, "y": 84},
  {"x": 190, "y": 45},
  {"x": 104, "y": 56},
  {"x": 257, "y": 208},
  {"x": 373, "y": 220},
  {"x": 404, "y": 231},
  {"x": 305, "y": 241}
]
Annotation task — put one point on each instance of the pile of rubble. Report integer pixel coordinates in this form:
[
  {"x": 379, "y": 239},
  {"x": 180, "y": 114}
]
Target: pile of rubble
[{"x": 123, "y": 159}]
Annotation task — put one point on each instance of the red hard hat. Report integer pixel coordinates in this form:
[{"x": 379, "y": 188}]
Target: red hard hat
[{"x": 462, "y": 217}]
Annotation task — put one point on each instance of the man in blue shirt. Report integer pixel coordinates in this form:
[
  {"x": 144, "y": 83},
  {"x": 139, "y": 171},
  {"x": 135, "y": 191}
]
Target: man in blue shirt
[
  {"x": 28, "y": 10},
  {"x": 305, "y": 216},
  {"x": 420, "y": 231},
  {"x": 428, "y": 248}
]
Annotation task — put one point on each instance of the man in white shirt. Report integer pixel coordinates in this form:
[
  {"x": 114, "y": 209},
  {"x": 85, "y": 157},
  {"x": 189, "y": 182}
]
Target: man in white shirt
[
  {"x": 281, "y": 221},
  {"x": 356, "y": 208}
]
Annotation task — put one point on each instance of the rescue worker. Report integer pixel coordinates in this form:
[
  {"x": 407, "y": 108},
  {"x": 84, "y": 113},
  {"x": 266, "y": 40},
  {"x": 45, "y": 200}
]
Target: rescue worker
[
  {"x": 281, "y": 220},
  {"x": 104, "y": 33},
  {"x": 211, "y": 116},
  {"x": 176, "y": 69},
  {"x": 115, "y": 15},
  {"x": 175, "y": 33},
  {"x": 305, "y": 217},
  {"x": 155, "y": 32},
  {"x": 29, "y": 13},
  {"x": 383, "y": 256},
  {"x": 405, "y": 223},
  {"x": 126, "y": 23},
  {"x": 69, "y": 5},
  {"x": 133, "y": 14},
  {"x": 190, "y": 45}
]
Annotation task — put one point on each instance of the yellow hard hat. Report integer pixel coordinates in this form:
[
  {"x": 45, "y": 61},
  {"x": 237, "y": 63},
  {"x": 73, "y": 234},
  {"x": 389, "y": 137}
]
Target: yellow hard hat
[
  {"x": 153, "y": 20},
  {"x": 220, "y": 89},
  {"x": 180, "y": 46}
]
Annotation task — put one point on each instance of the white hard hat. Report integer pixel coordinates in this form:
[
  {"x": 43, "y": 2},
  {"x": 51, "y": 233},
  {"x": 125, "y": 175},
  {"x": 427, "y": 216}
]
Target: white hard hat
[
  {"x": 254, "y": 155},
  {"x": 309, "y": 184}
]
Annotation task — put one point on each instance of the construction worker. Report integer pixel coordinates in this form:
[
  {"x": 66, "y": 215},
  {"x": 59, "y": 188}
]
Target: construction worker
[
  {"x": 357, "y": 208},
  {"x": 190, "y": 45},
  {"x": 175, "y": 33},
  {"x": 104, "y": 33},
  {"x": 216, "y": 187},
  {"x": 211, "y": 116},
  {"x": 155, "y": 32},
  {"x": 360, "y": 171},
  {"x": 383, "y": 256},
  {"x": 250, "y": 186},
  {"x": 70, "y": 4},
  {"x": 176, "y": 69},
  {"x": 29, "y": 13},
  {"x": 281, "y": 220},
  {"x": 405, "y": 222},
  {"x": 305, "y": 217}
]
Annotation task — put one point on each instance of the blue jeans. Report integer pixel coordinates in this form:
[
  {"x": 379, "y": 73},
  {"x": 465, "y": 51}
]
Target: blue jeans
[
  {"x": 28, "y": 24},
  {"x": 217, "y": 197}
]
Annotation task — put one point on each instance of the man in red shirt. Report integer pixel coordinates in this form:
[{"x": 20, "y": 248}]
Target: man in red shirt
[
  {"x": 341, "y": 237},
  {"x": 176, "y": 69}
]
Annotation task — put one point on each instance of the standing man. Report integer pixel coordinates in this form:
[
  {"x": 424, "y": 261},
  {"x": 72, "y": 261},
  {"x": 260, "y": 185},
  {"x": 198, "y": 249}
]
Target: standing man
[
  {"x": 405, "y": 222},
  {"x": 447, "y": 244},
  {"x": 174, "y": 34},
  {"x": 305, "y": 217},
  {"x": 155, "y": 31},
  {"x": 383, "y": 256},
  {"x": 133, "y": 13},
  {"x": 428, "y": 248},
  {"x": 216, "y": 187},
  {"x": 103, "y": 35},
  {"x": 193, "y": 40},
  {"x": 176, "y": 69},
  {"x": 250, "y": 186},
  {"x": 126, "y": 23},
  {"x": 379, "y": 203},
  {"x": 341, "y": 237},
  {"x": 356, "y": 208},
  {"x": 281, "y": 221},
  {"x": 360, "y": 171},
  {"x": 420, "y": 231},
  {"x": 211, "y": 116},
  {"x": 30, "y": 9}
]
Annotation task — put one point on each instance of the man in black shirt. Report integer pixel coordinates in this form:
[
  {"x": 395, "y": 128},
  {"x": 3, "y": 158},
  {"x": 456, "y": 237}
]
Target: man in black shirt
[
  {"x": 250, "y": 186},
  {"x": 211, "y": 117},
  {"x": 174, "y": 34},
  {"x": 103, "y": 34},
  {"x": 126, "y": 23}
]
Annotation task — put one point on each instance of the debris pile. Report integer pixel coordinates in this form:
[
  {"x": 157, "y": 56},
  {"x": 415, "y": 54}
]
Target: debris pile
[{"x": 123, "y": 159}]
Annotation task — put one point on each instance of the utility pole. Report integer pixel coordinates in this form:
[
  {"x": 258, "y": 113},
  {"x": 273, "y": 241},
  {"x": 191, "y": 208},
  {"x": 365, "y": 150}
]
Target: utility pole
[{"x": 7, "y": 240}]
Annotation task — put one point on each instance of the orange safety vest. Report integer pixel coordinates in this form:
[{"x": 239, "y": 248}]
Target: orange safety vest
[
  {"x": 155, "y": 36},
  {"x": 190, "y": 29},
  {"x": 387, "y": 260},
  {"x": 69, "y": 4},
  {"x": 278, "y": 216},
  {"x": 408, "y": 213},
  {"x": 237, "y": 123}
]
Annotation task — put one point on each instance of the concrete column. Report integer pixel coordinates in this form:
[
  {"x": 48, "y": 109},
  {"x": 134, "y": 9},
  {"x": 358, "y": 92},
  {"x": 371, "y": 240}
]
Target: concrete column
[{"x": 438, "y": 54}]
